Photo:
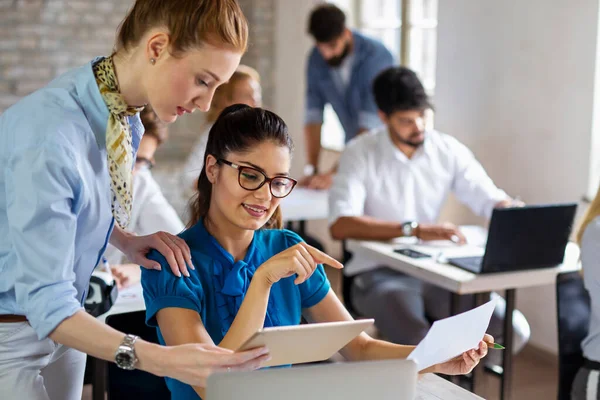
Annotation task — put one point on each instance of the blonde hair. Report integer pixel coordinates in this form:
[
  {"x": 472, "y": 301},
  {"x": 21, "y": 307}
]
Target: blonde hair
[
  {"x": 190, "y": 23},
  {"x": 153, "y": 126},
  {"x": 224, "y": 93},
  {"x": 590, "y": 214}
]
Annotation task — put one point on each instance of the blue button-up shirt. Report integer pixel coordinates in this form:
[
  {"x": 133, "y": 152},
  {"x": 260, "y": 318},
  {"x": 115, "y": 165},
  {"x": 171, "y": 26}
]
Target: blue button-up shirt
[
  {"x": 55, "y": 211},
  {"x": 355, "y": 107}
]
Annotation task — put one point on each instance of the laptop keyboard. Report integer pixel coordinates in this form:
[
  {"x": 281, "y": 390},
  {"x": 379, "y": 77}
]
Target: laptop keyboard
[{"x": 472, "y": 264}]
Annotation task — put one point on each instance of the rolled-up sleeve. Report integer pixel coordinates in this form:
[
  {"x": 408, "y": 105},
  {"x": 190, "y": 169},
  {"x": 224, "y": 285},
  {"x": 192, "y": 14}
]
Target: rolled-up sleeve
[
  {"x": 367, "y": 116},
  {"x": 472, "y": 185},
  {"x": 315, "y": 101},
  {"x": 41, "y": 185},
  {"x": 348, "y": 192}
]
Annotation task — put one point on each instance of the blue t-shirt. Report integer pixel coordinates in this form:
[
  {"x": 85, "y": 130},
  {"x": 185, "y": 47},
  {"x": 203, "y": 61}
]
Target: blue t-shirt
[{"x": 217, "y": 287}]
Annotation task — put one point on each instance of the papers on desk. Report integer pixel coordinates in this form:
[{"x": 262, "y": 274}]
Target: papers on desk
[{"x": 450, "y": 337}]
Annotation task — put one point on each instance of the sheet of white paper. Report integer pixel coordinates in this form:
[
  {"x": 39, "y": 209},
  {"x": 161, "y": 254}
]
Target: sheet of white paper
[{"x": 452, "y": 336}]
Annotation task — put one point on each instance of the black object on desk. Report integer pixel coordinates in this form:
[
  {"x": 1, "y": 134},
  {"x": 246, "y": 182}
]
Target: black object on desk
[{"x": 528, "y": 237}]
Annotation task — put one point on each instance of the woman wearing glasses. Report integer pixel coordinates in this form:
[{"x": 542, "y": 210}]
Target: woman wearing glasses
[{"x": 248, "y": 277}]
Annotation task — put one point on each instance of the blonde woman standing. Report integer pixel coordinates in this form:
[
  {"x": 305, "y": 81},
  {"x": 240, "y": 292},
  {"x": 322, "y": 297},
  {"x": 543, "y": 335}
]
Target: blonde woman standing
[
  {"x": 66, "y": 154},
  {"x": 585, "y": 385}
]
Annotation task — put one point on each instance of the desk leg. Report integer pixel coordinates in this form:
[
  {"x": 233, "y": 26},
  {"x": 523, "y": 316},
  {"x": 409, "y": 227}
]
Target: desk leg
[
  {"x": 455, "y": 309},
  {"x": 99, "y": 379},
  {"x": 480, "y": 299},
  {"x": 506, "y": 380}
]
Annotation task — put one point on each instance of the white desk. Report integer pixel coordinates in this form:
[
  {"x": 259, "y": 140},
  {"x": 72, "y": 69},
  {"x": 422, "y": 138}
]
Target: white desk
[
  {"x": 305, "y": 204},
  {"x": 129, "y": 300},
  {"x": 459, "y": 281},
  {"x": 432, "y": 387},
  {"x": 455, "y": 279}
]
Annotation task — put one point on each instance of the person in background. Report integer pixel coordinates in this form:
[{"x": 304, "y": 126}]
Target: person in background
[
  {"x": 251, "y": 274},
  {"x": 392, "y": 182},
  {"x": 340, "y": 72},
  {"x": 585, "y": 384},
  {"x": 66, "y": 156},
  {"x": 150, "y": 211},
  {"x": 242, "y": 88}
]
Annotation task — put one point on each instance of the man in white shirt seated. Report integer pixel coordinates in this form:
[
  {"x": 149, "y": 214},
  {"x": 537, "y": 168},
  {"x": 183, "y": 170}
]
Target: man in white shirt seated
[
  {"x": 393, "y": 182},
  {"x": 150, "y": 212}
]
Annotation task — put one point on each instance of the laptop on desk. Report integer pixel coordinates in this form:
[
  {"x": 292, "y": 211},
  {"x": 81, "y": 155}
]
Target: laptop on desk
[
  {"x": 387, "y": 379},
  {"x": 523, "y": 238}
]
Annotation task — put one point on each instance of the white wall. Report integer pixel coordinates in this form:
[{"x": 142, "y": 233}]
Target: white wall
[
  {"x": 292, "y": 46},
  {"x": 515, "y": 82}
]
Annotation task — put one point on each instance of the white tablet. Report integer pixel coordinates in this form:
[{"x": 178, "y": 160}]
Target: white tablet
[{"x": 305, "y": 343}]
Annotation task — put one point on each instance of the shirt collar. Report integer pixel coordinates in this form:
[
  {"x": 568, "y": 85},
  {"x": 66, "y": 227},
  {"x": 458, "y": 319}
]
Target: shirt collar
[
  {"x": 197, "y": 237},
  {"x": 388, "y": 147},
  {"x": 92, "y": 104}
]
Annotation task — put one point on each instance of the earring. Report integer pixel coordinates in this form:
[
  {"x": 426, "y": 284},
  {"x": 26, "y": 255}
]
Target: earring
[{"x": 152, "y": 61}]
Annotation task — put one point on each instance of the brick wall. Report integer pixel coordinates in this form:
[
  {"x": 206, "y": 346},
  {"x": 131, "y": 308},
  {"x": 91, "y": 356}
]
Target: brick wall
[{"x": 40, "y": 39}]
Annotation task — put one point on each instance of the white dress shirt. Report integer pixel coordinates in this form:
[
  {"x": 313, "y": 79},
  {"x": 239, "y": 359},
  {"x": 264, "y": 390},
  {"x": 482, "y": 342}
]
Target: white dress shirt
[
  {"x": 150, "y": 213},
  {"x": 194, "y": 163},
  {"x": 376, "y": 179}
]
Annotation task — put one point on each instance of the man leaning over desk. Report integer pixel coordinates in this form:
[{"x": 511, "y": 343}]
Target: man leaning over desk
[{"x": 393, "y": 182}]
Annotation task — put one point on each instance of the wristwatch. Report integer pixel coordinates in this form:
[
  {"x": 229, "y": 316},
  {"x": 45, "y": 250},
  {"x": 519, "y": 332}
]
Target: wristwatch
[
  {"x": 309, "y": 170},
  {"x": 409, "y": 228},
  {"x": 125, "y": 357}
]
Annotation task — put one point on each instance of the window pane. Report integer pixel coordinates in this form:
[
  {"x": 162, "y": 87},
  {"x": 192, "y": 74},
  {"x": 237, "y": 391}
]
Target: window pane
[
  {"x": 380, "y": 11},
  {"x": 332, "y": 133},
  {"x": 423, "y": 55},
  {"x": 389, "y": 37},
  {"x": 421, "y": 10}
]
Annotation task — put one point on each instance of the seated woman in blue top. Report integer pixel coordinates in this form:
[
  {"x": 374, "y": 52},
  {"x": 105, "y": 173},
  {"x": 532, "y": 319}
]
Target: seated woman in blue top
[{"x": 249, "y": 275}]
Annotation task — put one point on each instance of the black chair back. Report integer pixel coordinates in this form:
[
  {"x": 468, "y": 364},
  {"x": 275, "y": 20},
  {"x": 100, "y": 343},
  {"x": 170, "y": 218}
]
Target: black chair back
[
  {"x": 347, "y": 283},
  {"x": 573, "y": 316},
  {"x": 136, "y": 384}
]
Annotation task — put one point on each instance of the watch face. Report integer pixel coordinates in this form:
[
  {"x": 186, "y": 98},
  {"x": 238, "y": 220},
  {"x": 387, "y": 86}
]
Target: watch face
[{"x": 124, "y": 360}]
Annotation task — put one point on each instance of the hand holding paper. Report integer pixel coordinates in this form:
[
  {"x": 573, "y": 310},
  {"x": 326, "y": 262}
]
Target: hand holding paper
[{"x": 451, "y": 337}]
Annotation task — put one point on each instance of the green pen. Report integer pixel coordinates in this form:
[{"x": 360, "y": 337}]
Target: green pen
[{"x": 496, "y": 346}]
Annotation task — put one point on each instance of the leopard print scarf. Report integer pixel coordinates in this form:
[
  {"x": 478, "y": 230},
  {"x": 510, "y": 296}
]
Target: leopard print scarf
[{"x": 118, "y": 140}]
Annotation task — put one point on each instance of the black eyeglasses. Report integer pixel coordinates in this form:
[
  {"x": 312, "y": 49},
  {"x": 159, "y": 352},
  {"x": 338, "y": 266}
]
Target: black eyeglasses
[
  {"x": 143, "y": 161},
  {"x": 253, "y": 179}
]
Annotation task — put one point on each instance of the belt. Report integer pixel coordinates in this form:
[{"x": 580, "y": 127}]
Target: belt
[
  {"x": 589, "y": 364},
  {"x": 12, "y": 318}
]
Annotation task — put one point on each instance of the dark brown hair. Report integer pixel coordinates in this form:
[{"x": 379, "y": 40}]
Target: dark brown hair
[
  {"x": 190, "y": 23},
  {"x": 237, "y": 129}
]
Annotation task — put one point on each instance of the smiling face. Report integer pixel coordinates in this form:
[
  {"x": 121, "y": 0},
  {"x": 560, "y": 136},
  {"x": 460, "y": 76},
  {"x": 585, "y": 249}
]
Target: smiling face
[
  {"x": 179, "y": 85},
  {"x": 242, "y": 208}
]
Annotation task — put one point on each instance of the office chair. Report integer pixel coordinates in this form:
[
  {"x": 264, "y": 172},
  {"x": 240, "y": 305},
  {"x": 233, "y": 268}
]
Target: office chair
[
  {"x": 136, "y": 384},
  {"x": 347, "y": 283},
  {"x": 573, "y": 316}
]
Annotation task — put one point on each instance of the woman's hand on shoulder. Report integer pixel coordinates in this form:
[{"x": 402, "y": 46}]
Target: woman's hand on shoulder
[{"x": 173, "y": 248}]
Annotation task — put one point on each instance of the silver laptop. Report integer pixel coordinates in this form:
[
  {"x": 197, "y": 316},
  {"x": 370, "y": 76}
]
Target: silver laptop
[{"x": 387, "y": 379}]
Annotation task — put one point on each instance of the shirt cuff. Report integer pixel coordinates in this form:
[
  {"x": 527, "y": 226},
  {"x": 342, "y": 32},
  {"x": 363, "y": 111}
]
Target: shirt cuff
[
  {"x": 313, "y": 116},
  {"x": 44, "y": 323},
  {"x": 368, "y": 120},
  {"x": 495, "y": 199}
]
